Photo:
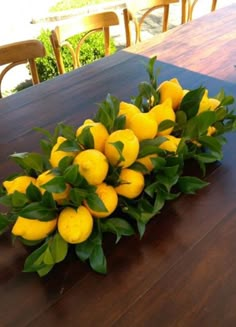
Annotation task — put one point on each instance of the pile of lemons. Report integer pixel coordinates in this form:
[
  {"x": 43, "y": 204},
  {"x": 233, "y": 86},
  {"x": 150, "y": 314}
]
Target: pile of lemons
[{"x": 119, "y": 148}]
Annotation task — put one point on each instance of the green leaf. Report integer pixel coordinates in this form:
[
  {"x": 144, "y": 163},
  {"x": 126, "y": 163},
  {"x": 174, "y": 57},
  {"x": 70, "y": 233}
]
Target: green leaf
[
  {"x": 48, "y": 201},
  {"x": 221, "y": 113},
  {"x": 117, "y": 226},
  {"x": 18, "y": 200},
  {"x": 67, "y": 131},
  {"x": 92, "y": 249},
  {"x": 119, "y": 147},
  {"x": 181, "y": 118},
  {"x": 69, "y": 146},
  {"x": 85, "y": 249},
  {"x": 35, "y": 260},
  {"x": 141, "y": 228},
  {"x": 95, "y": 203},
  {"x": 55, "y": 185},
  {"x": 191, "y": 101},
  {"x": 77, "y": 196},
  {"x": 205, "y": 157},
  {"x": 58, "y": 248},
  {"x": 4, "y": 223},
  {"x": 71, "y": 175},
  {"x": 65, "y": 162},
  {"x": 204, "y": 120},
  {"x": 212, "y": 143},
  {"x": 29, "y": 161},
  {"x": 86, "y": 138},
  {"x": 98, "y": 260},
  {"x": 107, "y": 112},
  {"x": 44, "y": 270},
  {"x": 191, "y": 184},
  {"x": 165, "y": 124},
  {"x": 150, "y": 146},
  {"x": 119, "y": 123},
  {"x": 37, "y": 211},
  {"x": 48, "y": 258},
  {"x": 33, "y": 193}
]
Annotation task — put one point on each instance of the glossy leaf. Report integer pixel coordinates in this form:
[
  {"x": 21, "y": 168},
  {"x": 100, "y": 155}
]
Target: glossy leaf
[
  {"x": 191, "y": 184},
  {"x": 117, "y": 226}
]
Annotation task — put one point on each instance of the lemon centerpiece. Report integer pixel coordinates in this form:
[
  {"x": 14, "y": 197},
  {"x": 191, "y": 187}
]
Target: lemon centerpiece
[{"x": 114, "y": 172}]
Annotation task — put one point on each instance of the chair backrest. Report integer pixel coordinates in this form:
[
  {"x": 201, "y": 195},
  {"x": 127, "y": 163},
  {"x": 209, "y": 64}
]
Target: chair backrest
[
  {"x": 188, "y": 8},
  {"x": 87, "y": 24},
  {"x": 18, "y": 53},
  {"x": 133, "y": 7}
]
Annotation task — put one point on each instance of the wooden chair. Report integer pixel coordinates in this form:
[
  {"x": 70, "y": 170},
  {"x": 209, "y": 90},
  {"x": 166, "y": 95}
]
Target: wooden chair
[
  {"x": 133, "y": 7},
  {"x": 188, "y": 8},
  {"x": 89, "y": 24},
  {"x": 18, "y": 53}
]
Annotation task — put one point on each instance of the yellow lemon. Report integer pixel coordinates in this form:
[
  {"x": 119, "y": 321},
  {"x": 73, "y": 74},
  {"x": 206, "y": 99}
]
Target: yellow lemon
[
  {"x": 131, "y": 183},
  {"x": 147, "y": 162},
  {"x": 143, "y": 126},
  {"x": 33, "y": 229},
  {"x": 128, "y": 110},
  {"x": 211, "y": 130},
  {"x": 205, "y": 103},
  {"x": 163, "y": 112},
  {"x": 93, "y": 165},
  {"x": 109, "y": 198},
  {"x": 214, "y": 103},
  {"x": 171, "y": 144},
  {"x": 75, "y": 226},
  {"x": 129, "y": 151},
  {"x": 56, "y": 156},
  {"x": 171, "y": 89},
  {"x": 44, "y": 178},
  {"x": 98, "y": 131},
  {"x": 19, "y": 184}
]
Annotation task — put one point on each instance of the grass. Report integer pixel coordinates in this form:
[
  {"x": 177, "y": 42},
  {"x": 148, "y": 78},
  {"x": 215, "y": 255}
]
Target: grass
[{"x": 73, "y": 4}]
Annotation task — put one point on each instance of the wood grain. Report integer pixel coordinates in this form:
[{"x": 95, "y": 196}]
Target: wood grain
[{"x": 182, "y": 273}]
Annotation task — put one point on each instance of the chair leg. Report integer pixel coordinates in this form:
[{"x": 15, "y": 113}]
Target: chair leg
[
  {"x": 127, "y": 27},
  {"x": 213, "y": 6},
  {"x": 165, "y": 18},
  {"x": 107, "y": 40},
  {"x": 183, "y": 14}
]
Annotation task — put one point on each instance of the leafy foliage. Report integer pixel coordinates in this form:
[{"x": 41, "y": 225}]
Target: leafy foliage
[
  {"x": 91, "y": 50},
  {"x": 164, "y": 183}
]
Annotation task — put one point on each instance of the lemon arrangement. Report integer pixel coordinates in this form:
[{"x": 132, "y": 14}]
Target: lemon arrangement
[{"x": 114, "y": 173}]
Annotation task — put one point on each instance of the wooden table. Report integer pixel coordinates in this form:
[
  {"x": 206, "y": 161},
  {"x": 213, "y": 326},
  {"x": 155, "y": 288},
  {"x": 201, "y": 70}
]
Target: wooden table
[{"x": 183, "y": 271}]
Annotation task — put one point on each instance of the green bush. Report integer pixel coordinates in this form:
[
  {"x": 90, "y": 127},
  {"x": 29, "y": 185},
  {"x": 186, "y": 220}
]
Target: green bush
[
  {"x": 91, "y": 50},
  {"x": 74, "y": 4}
]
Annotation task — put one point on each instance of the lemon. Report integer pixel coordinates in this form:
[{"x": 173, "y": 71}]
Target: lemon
[
  {"x": 93, "y": 165},
  {"x": 19, "y": 184},
  {"x": 163, "y": 112},
  {"x": 171, "y": 144},
  {"x": 147, "y": 162},
  {"x": 33, "y": 229},
  {"x": 171, "y": 89},
  {"x": 56, "y": 156},
  {"x": 75, "y": 226},
  {"x": 44, "y": 178},
  {"x": 211, "y": 130},
  {"x": 143, "y": 126},
  {"x": 130, "y": 143},
  {"x": 98, "y": 131},
  {"x": 214, "y": 103},
  {"x": 109, "y": 198},
  {"x": 131, "y": 183},
  {"x": 205, "y": 103},
  {"x": 128, "y": 110}
]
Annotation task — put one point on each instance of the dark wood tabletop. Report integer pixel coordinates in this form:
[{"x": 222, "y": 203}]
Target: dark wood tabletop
[{"x": 183, "y": 271}]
